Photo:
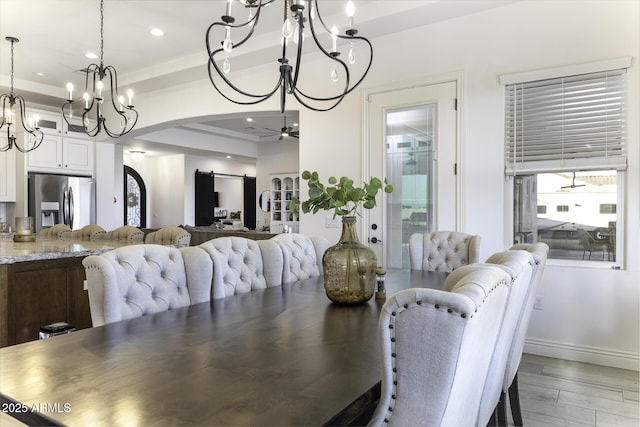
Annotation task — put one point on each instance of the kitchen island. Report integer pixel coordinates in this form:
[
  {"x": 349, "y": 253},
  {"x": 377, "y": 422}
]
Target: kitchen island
[{"x": 42, "y": 282}]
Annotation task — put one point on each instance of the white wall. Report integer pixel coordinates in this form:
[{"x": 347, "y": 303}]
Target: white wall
[
  {"x": 589, "y": 314},
  {"x": 109, "y": 185}
]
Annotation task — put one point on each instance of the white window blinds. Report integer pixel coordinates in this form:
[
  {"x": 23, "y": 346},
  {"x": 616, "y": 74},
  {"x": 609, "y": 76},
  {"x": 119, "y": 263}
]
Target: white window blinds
[{"x": 566, "y": 123}]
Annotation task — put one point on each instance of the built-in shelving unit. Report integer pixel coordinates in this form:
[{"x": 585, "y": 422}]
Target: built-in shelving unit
[{"x": 283, "y": 188}]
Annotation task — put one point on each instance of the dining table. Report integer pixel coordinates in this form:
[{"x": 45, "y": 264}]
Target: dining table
[{"x": 282, "y": 356}]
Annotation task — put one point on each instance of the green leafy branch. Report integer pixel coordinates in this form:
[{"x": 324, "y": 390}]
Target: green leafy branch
[{"x": 341, "y": 196}]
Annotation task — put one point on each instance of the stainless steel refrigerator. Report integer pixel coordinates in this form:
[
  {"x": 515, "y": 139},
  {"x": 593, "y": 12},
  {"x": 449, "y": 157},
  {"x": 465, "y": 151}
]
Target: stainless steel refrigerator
[{"x": 60, "y": 199}]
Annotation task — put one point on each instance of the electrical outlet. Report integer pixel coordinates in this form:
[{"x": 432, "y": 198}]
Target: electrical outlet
[
  {"x": 331, "y": 222},
  {"x": 85, "y": 286},
  {"x": 538, "y": 304}
]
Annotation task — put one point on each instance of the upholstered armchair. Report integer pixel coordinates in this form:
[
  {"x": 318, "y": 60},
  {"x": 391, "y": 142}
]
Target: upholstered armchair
[
  {"x": 54, "y": 232},
  {"x": 443, "y": 250},
  {"x": 124, "y": 234},
  {"x": 176, "y": 236},
  {"x": 302, "y": 255},
  {"x": 137, "y": 280},
  {"x": 88, "y": 232},
  {"x": 238, "y": 265},
  {"x": 436, "y": 350}
]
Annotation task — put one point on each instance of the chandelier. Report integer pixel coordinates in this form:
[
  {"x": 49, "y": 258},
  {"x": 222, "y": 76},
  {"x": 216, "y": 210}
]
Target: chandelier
[
  {"x": 289, "y": 79},
  {"x": 34, "y": 136},
  {"x": 101, "y": 103}
]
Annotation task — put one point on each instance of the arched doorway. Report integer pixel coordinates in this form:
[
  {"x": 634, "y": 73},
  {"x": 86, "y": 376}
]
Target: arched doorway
[{"x": 135, "y": 194}]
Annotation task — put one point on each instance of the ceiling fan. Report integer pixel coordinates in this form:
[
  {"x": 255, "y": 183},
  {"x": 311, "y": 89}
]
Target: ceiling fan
[
  {"x": 573, "y": 183},
  {"x": 286, "y": 131}
]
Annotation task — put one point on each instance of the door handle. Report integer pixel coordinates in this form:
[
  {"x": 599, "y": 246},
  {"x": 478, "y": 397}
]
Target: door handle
[
  {"x": 375, "y": 240},
  {"x": 71, "y": 207}
]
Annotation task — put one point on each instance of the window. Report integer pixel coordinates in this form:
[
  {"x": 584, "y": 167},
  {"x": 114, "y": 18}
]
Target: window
[
  {"x": 565, "y": 149},
  {"x": 608, "y": 208}
]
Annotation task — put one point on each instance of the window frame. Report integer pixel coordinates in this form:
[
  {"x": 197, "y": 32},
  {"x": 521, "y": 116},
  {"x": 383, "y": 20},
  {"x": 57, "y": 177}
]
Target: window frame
[{"x": 621, "y": 174}]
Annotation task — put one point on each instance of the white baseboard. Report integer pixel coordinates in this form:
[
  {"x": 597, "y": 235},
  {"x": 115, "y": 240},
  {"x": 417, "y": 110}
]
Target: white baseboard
[{"x": 597, "y": 356}]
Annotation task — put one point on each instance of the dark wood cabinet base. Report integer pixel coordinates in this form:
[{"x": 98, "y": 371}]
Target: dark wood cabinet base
[{"x": 37, "y": 293}]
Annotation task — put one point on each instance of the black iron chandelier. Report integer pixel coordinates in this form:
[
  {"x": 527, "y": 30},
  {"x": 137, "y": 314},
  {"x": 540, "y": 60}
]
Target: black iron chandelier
[
  {"x": 33, "y": 137},
  {"x": 101, "y": 103},
  {"x": 289, "y": 77}
]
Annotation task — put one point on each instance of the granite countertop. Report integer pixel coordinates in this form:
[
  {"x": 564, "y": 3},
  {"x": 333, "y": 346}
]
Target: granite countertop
[{"x": 43, "y": 249}]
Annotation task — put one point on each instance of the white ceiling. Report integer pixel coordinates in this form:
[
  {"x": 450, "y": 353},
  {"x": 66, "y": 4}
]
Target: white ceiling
[{"x": 55, "y": 34}]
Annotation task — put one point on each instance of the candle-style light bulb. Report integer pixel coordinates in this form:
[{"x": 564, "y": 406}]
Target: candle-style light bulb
[
  {"x": 130, "y": 96},
  {"x": 351, "y": 10},
  {"x": 334, "y": 38},
  {"x": 86, "y": 100},
  {"x": 70, "y": 89},
  {"x": 228, "y": 11},
  {"x": 7, "y": 115},
  {"x": 121, "y": 102},
  {"x": 36, "y": 119},
  {"x": 99, "y": 87}
]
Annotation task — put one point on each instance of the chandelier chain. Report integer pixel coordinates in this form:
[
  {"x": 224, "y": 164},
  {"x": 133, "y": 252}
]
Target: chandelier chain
[
  {"x": 101, "y": 32},
  {"x": 12, "y": 43}
]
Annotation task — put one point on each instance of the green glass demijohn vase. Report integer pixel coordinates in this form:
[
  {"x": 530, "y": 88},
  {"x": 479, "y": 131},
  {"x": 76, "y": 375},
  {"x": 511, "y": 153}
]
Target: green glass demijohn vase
[{"x": 349, "y": 267}]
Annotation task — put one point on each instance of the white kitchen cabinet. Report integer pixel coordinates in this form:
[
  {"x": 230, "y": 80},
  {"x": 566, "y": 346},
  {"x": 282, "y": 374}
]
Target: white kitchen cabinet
[
  {"x": 7, "y": 172},
  {"x": 64, "y": 149},
  {"x": 49, "y": 123},
  {"x": 283, "y": 188}
]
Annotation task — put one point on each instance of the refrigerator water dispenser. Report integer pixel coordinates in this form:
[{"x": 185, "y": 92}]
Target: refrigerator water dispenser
[{"x": 50, "y": 212}]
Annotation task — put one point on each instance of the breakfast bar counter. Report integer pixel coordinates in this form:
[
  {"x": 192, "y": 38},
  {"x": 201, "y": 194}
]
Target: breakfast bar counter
[
  {"x": 42, "y": 282},
  {"x": 44, "y": 249}
]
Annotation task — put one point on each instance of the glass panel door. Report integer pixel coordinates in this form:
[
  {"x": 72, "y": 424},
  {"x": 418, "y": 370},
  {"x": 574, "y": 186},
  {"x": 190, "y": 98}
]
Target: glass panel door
[{"x": 410, "y": 167}]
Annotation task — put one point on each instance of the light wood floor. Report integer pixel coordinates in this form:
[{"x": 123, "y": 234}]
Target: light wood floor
[{"x": 555, "y": 392}]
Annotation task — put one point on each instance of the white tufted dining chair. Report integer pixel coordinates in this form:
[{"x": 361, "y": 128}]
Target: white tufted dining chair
[
  {"x": 302, "y": 255},
  {"x": 88, "y": 232},
  {"x": 436, "y": 349},
  {"x": 54, "y": 232},
  {"x": 173, "y": 235},
  {"x": 238, "y": 265},
  {"x": 519, "y": 266},
  {"x": 137, "y": 280},
  {"x": 124, "y": 234},
  {"x": 539, "y": 252},
  {"x": 443, "y": 250}
]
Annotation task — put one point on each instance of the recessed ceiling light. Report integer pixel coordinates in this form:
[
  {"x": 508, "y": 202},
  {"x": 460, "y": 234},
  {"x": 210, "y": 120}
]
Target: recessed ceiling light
[
  {"x": 91, "y": 55},
  {"x": 228, "y": 157},
  {"x": 40, "y": 74},
  {"x": 295, "y": 125},
  {"x": 249, "y": 119},
  {"x": 156, "y": 32}
]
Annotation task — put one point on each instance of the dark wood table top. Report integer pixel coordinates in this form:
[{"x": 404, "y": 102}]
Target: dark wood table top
[{"x": 281, "y": 356}]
